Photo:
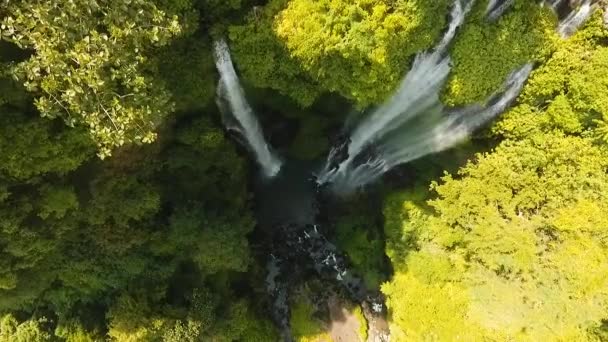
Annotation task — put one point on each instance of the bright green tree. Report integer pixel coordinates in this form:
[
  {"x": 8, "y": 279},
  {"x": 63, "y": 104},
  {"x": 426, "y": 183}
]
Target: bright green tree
[
  {"x": 265, "y": 62},
  {"x": 505, "y": 250},
  {"x": 568, "y": 92},
  {"x": 12, "y": 330},
  {"x": 32, "y": 147},
  {"x": 89, "y": 65},
  {"x": 73, "y": 331},
  {"x": 485, "y": 53},
  {"x": 358, "y": 49}
]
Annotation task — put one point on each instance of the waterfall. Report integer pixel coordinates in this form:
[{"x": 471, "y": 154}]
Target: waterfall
[
  {"x": 496, "y": 8},
  {"x": 436, "y": 130},
  {"x": 418, "y": 94},
  {"x": 231, "y": 99},
  {"x": 413, "y": 122},
  {"x": 555, "y": 4},
  {"x": 567, "y": 26},
  {"x": 574, "y": 20},
  {"x": 427, "y": 75}
]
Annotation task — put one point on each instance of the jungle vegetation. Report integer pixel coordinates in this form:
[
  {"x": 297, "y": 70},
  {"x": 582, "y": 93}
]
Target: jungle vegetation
[{"x": 126, "y": 211}]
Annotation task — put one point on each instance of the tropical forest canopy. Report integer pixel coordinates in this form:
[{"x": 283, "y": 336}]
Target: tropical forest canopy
[{"x": 126, "y": 210}]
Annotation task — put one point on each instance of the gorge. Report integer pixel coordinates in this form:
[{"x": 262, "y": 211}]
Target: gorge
[
  {"x": 303, "y": 170},
  {"x": 411, "y": 124}
]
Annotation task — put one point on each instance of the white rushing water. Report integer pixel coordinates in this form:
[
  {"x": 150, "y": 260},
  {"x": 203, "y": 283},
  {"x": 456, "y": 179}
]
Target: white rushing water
[
  {"x": 418, "y": 94},
  {"x": 496, "y": 8},
  {"x": 413, "y": 122},
  {"x": 567, "y": 26},
  {"x": 574, "y": 20},
  {"x": 242, "y": 118},
  {"x": 555, "y": 4}
]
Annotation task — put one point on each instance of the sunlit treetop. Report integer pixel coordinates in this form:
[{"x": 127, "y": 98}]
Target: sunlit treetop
[
  {"x": 568, "y": 92},
  {"x": 263, "y": 60},
  {"x": 89, "y": 64},
  {"x": 358, "y": 49},
  {"x": 504, "y": 250},
  {"x": 484, "y": 52},
  {"x": 30, "y": 330}
]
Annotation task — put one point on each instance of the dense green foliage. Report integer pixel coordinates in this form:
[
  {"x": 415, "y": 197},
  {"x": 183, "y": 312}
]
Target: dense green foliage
[
  {"x": 264, "y": 60},
  {"x": 567, "y": 93},
  {"x": 484, "y": 54},
  {"x": 92, "y": 72},
  {"x": 512, "y": 237},
  {"x": 358, "y": 49},
  {"x": 126, "y": 212},
  {"x": 140, "y": 247},
  {"x": 305, "y": 327},
  {"x": 513, "y": 247},
  {"x": 357, "y": 234},
  {"x": 12, "y": 330}
]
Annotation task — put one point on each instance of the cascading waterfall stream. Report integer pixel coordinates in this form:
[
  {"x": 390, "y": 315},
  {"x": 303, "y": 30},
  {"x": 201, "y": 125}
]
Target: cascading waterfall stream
[
  {"x": 307, "y": 242},
  {"x": 418, "y": 94},
  {"x": 242, "y": 120},
  {"x": 574, "y": 20},
  {"x": 426, "y": 77},
  {"x": 567, "y": 27},
  {"x": 497, "y": 8},
  {"x": 438, "y": 130},
  {"x": 413, "y": 122}
]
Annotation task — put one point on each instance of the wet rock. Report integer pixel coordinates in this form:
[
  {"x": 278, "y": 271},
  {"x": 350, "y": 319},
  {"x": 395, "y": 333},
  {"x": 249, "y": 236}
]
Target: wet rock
[
  {"x": 339, "y": 152},
  {"x": 298, "y": 248},
  {"x": 366, "y": 155}
]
